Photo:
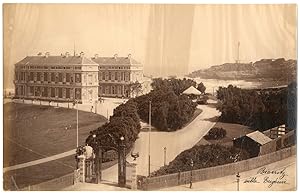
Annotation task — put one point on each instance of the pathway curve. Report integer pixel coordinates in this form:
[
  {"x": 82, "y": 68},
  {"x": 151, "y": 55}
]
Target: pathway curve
[
  {"x": 175, "y": 142},
  {"x": 40, "y": 161}
]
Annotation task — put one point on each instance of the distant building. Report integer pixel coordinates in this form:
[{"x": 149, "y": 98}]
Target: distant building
[
  {"x": 116, "y": 74},
  {"x": 255, "y": 143},
  {"x": 57, "y": 78}
]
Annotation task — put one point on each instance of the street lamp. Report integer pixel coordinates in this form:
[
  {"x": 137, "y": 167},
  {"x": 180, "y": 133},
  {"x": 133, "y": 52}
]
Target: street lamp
[
  {"x": 76, "y": 121},
  {"x": 238, "y": 181},
  {"x": 149, "y": 138},
  {"x": 122, "y": 163},
  {"x": 95, "y": 147},
  {"x": 191, "y": 179},
  {"x": 165, "y": 153},
  {"x": 96, "y": 103}
]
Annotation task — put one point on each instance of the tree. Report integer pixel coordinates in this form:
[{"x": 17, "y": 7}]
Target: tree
[
  {"x": 215, "y": 133},
  {"x": 258, "y": 108},
  {"x": 124, "y": 122},
  {"x": 135, "y": 88},
  {"x": 169, "y": 111},
  {"x": 176, "y": 85}
]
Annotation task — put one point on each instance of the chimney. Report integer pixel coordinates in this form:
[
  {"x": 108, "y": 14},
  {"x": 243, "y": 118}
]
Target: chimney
[
  {"x": 96, "y": 56},
  {"x": 116, "y": 56},
  {"x": 67, "y": 54},
  {"x": 47, "y": 54},
  {"x": 81, "y": 54},
  {"x": 129, "y": 56}
]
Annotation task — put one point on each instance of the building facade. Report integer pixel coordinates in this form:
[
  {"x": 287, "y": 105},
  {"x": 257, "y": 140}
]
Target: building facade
[
  {"x": 57, "y": 78},
  {"x": 68, "y": 78},
  {"x": 117, "y": 74}
]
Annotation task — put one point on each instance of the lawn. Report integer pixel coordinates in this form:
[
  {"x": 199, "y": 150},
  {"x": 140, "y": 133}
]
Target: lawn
[
  {"x": 232, "y": 131},
  {"x": 32, "y": 132},
  {"x": 38, "y": 173}
]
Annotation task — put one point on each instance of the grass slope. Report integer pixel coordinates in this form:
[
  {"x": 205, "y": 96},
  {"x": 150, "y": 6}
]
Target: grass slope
[{"x": 32, "y": 132}]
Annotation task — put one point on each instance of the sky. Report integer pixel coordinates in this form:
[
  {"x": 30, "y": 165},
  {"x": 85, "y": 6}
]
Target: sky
[{"x": 166, "y": 39}]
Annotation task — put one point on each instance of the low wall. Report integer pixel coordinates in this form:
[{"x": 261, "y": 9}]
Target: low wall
[
  {"x": 61, "y": 182},
  {"x": 213, "y": 172},
  {"x": 52, "y": 185}
]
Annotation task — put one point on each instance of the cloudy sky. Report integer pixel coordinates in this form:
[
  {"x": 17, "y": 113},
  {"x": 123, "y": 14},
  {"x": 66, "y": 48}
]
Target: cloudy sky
[{"x": 166, "y": 39}]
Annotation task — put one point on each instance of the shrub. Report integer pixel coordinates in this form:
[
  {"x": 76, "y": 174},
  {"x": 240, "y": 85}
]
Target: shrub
[
  {"x": 203, "y": 99},
  {"x": 169, "y": 111},
  {"x": 215, "y": 133},
  {"x": 203, "y": 156}
]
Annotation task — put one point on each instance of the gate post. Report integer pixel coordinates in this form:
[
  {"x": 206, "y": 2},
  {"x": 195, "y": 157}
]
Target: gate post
[
  {"x": 82, "y": 168},
  {"x": 122, "y": 164},
  {"x": 131, "y": 176},
  {"x": 98, "y": 164}
]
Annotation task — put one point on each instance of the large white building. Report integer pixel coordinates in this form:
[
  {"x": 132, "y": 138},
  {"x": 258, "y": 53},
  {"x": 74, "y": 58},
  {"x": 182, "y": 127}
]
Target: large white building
[
  {"x": 69, "y": 78},
  {"x": 57, "y": 78},
  {"x": 116, "y": 74}
]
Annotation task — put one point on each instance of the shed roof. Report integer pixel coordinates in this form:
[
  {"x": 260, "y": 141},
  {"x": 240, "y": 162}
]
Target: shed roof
[
  {"x": 192, "y": 90},
  {"x": 259, "y": 137}
]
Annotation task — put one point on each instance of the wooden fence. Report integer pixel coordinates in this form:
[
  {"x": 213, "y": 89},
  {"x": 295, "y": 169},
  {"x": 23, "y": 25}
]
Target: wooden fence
[{"x": 175, "y": 179}]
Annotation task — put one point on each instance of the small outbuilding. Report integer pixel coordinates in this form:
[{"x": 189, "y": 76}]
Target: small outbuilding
[
  {"x": 192, "y": 91},
  {"x": 255, "y": 143}
]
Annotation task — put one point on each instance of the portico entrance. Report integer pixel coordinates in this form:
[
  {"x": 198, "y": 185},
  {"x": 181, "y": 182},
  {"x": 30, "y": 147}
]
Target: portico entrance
[{"x": 90, "y": 157}]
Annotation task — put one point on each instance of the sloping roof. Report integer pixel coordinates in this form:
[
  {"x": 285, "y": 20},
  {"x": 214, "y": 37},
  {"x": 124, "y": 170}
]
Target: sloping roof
[
  {"x": 192, "y": 90},
  {"x": 259, "y": 137},
  {"x": 112, "y": 60},
  {"x": 39, "y": 60}
]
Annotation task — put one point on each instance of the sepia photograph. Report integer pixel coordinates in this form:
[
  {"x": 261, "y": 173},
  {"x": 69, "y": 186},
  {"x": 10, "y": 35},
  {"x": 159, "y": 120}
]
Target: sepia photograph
[{"x": 149, "y": 97}]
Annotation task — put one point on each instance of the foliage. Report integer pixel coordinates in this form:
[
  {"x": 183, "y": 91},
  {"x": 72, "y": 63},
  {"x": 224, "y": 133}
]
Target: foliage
[
  {"x": 124, "y": 122},
  {"x": 203, "y": 156},
  {"x": 201, "y": 88},
  {"x": 292, "y": 106},
  {"x": 215, "y": 133},
  {"x": 176, "y": 85},
  {"x": 169, "y": 111},
  {"x": 135, "y": 88},
  {"x": 260, "y": 109},
  {"x": 203, "y": 99}
]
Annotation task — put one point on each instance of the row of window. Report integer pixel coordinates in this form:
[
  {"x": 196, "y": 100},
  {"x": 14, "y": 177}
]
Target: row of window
[
  {"x": 44, "y": 76},
  {"x": 119, "y": 76},
  {"x": 113, "y": 67},
  {"x": 49, "y": 92},
  {"x": 50, "y": 67},
  {"x": 113, "y": 90}
]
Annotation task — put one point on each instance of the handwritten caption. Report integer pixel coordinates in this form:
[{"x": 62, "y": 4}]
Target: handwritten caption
[{"x": 269, "y": 177}]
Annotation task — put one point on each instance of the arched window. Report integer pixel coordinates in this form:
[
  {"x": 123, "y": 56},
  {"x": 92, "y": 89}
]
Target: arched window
[
  {"x": 113, "y": 89},
  {"x": 109, "y": 75}
]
